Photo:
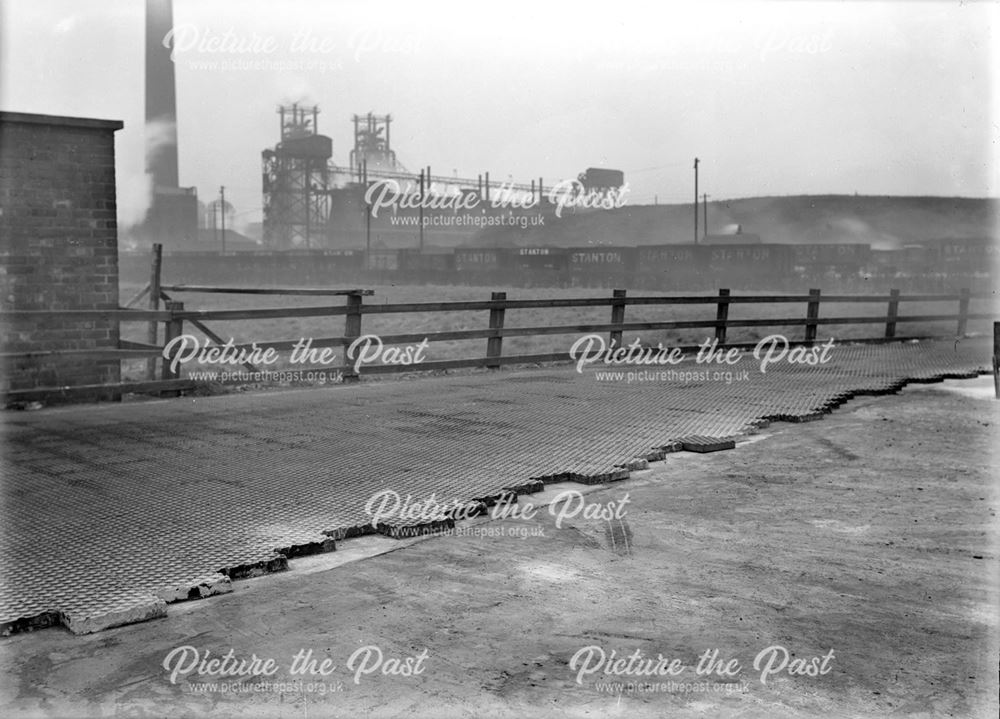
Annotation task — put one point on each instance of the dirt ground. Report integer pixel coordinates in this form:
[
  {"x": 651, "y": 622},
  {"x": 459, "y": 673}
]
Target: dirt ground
[{"x": 863, "y": 545}]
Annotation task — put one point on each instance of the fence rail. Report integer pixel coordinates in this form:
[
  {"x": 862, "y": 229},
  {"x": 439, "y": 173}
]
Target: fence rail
[{"x": 175, "y": 315}]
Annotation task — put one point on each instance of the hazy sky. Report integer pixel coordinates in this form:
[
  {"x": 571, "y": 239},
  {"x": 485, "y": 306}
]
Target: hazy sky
[{"x": 775, "y": 98}]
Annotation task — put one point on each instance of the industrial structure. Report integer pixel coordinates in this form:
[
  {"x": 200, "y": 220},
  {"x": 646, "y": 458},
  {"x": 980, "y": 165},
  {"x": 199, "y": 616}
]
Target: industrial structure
[
  {"x": 372, "y": 144},
  {"x": 296, "y": 181},
  {"x": 172, "y": 218},
  {"x": 309, "y": 202}
]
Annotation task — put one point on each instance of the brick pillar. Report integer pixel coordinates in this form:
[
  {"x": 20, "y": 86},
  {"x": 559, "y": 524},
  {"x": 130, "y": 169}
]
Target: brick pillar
[{"x": 58, "y": 245}]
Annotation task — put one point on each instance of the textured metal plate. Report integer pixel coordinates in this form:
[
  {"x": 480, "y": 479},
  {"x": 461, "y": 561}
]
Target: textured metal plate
[{"x": 113, "y": 510}]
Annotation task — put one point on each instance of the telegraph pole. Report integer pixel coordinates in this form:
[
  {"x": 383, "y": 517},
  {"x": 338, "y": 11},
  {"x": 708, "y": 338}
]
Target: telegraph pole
[
  {"x": 696, "y": 200},
  {"x": 421, "y": 216},
  {"x": 368, "y": 216},
  {"x": 222, "y": 192},
  {"x": 704, "y": 207},
  {"x": 427, "y": 183}
]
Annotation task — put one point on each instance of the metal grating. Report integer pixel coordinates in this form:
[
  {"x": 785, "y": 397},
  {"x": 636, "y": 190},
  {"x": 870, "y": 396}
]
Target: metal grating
[{"x": 114, "y": 510}]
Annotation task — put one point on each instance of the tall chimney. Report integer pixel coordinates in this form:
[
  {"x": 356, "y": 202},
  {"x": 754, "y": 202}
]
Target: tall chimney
[{"x": 161, "y": 101}]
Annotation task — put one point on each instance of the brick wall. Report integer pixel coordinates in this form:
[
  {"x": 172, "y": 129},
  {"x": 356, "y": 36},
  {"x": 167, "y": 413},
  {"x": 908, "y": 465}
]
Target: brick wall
[{"x": 58, "y": 245}]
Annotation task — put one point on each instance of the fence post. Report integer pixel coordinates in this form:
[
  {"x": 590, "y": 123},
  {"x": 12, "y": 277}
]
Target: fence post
[
  {"x": 721, "y": 315},
  {"x": 963, "y": 311},
  {"x": 154, "y": 304},
  {"x": 812, "y": 313},
  {"x": 174, "y": 327},
  {"x": 352, "y": 330},
  {"x": 494, "y": 345},
  {"x": 892, "y": 314},
  {"x": 617, "y": 318},
  {"x": 996, "y": 359}
]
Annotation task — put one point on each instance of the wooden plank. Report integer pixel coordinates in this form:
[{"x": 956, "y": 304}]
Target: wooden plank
[
  {"x": 891, "y": 314},
  {"x": 476, "y": 306},
  {"x": 136, "y": 298},
  {"x": 215, "y": 338},
  {"x": 352, "y": 328},
  {"x": 102, "y": 352},
  {"x": 947, "y": 318},
  {"x": 109, "y": 390},
  {"x": 617, "y": 317},
  {"x": 872, "y": 299},
  {"x": 963, "y": 313},
  {"x": 722, "y": 315},
  {"x": 174, "y": 329},
  {"x": 120, "y": 315},
  {"x": 138, "y": 350},
  {"x": 414, "y": 337},
  {"x": 996, "y": 359},
  {"x": 466, "y": 363},
  {"x": 812, "y": 313},
  {"x": 129, "y": 345},
  {"x": 665, "y": 301},
  {"x": 423, "y": 366},
  {"x": 537, "y": 358},
  {"x": 494, "y": 345},
  {"x": 379, "y": 309},
  {"x": 944, "y": 298},
  {"x": 288, "y": 345},
  {"x": 264, "y": 313},
  {"x": 695, "y": 324},
  {"x": 155, "y": 275},
  {"x": 291, "y": 291}
]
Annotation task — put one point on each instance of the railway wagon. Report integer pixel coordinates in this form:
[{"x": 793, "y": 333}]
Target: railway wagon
[
  {"x": 670, "y": 266},
  {"x": 383, "y": 260},
  {"x": 750, "y": 265},
  {"x": 473, "y": 259},
  {"x": 972, "y": 255},
  {"x": 537, "y": 266},
  {"x": 601, "y": 266},
  {"x": 831, "y": 255},
  {"x": 913, "y": 260},
  {"x": 427, "y": 266},
  {"x": 477, "y": 266},
  {"x": 340, "y": 264},
  {"x": 417, "y": 261},
  {"x": 537, "y": 258}
]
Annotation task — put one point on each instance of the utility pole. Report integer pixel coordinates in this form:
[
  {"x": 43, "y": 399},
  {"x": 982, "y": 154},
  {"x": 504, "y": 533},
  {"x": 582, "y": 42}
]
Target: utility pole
[
  {"x": 421, "y": 206},
  {"x": 696, "y": 200},
  {"x": 222, "y": 208},
  {"x": 368, "y": 216},
  {"x": 704, "y": 207}
]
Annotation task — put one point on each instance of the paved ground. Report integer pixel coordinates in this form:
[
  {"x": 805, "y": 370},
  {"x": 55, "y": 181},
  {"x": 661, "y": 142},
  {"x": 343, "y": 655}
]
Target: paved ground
[
  {"x": 114, "y": 510},
  {"x": 871, "y": 534}
]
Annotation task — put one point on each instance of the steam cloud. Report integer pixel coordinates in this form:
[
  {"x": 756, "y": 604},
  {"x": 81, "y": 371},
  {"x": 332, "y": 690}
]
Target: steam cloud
[{"x": 135, "y": 190}]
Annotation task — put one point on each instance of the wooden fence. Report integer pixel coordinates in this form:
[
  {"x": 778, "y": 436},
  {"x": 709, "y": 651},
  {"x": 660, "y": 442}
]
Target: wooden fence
[{"x": 174, "y": 316}]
